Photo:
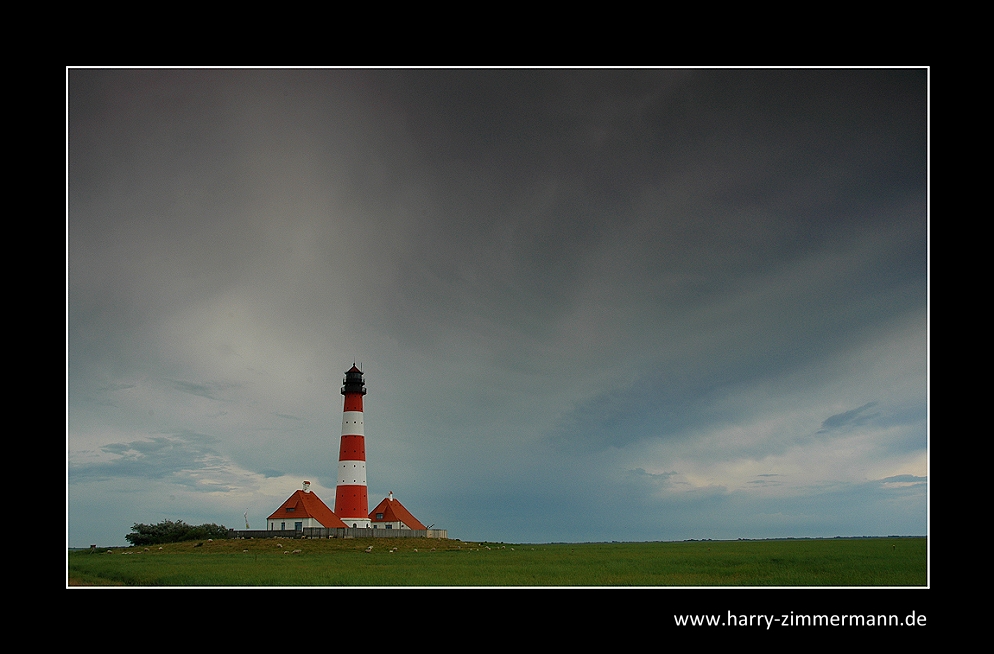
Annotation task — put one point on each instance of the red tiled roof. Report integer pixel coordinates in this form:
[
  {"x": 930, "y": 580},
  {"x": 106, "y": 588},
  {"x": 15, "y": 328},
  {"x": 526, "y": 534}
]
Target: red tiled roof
[
  {"x": 394, "y": 511},
  {"x": 307, "y": 505}
]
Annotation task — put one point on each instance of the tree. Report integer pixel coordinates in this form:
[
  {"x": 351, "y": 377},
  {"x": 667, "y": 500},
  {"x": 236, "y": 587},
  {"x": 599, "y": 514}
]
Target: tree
[{"x": 168, "y": 531}]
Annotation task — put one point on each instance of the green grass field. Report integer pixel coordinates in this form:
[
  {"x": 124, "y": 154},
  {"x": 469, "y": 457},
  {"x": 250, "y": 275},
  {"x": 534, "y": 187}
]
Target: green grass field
[{"x": 835, "y": 562}]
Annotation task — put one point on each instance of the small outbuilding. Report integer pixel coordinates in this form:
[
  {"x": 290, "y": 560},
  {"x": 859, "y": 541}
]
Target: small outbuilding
[
  {"x": 391, "y": 514},
  {"x": 303, "y": 509}
]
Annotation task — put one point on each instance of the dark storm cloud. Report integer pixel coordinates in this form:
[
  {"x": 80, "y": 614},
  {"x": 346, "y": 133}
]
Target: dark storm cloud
[
  {"x": 768, "y": 171},
  {"x": 813, "y": 237}
]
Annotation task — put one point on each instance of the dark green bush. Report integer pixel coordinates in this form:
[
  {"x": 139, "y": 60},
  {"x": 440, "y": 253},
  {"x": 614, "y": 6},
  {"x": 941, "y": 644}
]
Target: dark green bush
[{"x": 168, "y": 531}]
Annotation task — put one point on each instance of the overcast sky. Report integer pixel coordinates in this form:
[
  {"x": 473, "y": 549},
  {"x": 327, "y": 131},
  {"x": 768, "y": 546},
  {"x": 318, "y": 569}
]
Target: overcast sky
[{"x": 590, "y": 305}]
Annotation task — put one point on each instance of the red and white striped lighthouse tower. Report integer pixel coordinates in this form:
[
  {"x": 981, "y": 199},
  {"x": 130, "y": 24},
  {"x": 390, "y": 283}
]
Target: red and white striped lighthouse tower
[{"x": 351, "y": 503}]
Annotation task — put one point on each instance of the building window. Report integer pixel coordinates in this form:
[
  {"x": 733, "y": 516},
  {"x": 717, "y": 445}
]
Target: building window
[
  {"x": 379, "y": 516},
  {"x": 389, "y": 526}
]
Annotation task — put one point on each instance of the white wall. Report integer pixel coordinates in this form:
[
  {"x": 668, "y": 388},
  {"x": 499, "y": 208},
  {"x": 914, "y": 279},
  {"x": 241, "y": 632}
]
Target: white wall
[{"x": 290, "y": 521}]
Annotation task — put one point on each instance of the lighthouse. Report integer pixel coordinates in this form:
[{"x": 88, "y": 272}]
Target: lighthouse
[{"x": 351, "y": 503}]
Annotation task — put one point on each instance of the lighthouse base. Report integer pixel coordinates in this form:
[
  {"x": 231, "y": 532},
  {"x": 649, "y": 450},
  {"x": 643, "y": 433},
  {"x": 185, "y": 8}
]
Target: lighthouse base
[{"x": 356, "y": 523}]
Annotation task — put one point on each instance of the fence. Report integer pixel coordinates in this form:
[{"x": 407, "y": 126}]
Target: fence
[{"x": 352, "y": 532}]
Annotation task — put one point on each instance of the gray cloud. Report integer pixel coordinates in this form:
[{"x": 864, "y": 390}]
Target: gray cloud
[
  {"x": 171, "y": 456},
  {"x": 208, "y": 390},
  {"x": 849, "y": 419},
  {"x": 905, "y": 479}
]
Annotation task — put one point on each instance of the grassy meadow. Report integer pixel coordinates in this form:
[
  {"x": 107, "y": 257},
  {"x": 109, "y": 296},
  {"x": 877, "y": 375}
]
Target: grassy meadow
[{"x": 431, "y": 562}]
